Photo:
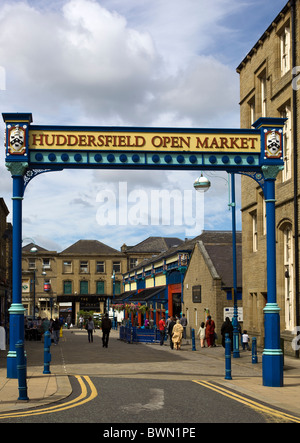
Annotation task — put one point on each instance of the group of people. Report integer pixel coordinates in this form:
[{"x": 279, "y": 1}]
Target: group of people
[
  {"x": 175, "y": 328},
  {"x": 42, "y": 325},
  {"x": 207, "y": 333},
  {"x": 105, "y": 326}
]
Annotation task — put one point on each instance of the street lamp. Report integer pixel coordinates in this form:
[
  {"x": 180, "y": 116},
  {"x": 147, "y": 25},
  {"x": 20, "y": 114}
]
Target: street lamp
[{"x": 202, "y": 184}]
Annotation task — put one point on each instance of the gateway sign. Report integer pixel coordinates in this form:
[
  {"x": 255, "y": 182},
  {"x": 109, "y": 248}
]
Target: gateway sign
[
  {"x": 127, "y": 140},
  {"x": 44, "y": 148}
]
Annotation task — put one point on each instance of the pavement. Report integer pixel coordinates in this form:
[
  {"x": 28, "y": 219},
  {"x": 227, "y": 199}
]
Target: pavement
[{"x": 74, "y": 356}]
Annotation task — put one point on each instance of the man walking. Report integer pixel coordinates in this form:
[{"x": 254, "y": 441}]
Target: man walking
[
  {"x": 172, "y": 323},
  {"x": 106, "y": 327},
  {"x": 162, "y": 329}
]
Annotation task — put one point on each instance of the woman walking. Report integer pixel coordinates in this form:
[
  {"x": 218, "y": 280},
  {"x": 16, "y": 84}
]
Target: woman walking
[{"x": 177, "y": 335}]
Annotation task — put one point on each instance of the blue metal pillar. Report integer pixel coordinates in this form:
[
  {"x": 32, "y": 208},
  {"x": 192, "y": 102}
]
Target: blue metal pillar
[
  {"x": 16, "y": 311},
  {"x": 236, "y": 352},
  {"x": 272, "y": 355}
]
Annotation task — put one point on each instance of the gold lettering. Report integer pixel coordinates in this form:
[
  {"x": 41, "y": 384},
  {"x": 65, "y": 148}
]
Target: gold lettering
[
  {"x": 201, "y": 144},
  {"x": 38, "y": 138},
  {"x": 58, "y": 140},
  {"x": 224, "y": 142},
  {"x": 70, "y": 138}
]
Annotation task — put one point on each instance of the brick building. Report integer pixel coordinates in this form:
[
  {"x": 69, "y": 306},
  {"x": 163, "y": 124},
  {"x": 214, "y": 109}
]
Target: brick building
[{"x": 269, "y": 87}]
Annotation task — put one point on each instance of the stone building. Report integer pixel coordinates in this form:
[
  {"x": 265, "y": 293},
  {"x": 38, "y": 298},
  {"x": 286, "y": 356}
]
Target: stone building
[
  {"x": 208, "y": 282},
  {"x": 270, "y": 87},
  {"x": 86, "y": 273}
]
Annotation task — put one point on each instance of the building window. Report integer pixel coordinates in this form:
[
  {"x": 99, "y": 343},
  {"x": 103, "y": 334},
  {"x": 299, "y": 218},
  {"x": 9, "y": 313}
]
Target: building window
[
  {"x": 252, "y": 111},
  {"x": 84, "y": 287},
  {"x": 67, "y": 267},
  {"x": 285, "y": 50},
  {"x": 118, "y": 287},
  {"x": 263, "y": 91},
  {"x": 254, "y": 232},
  {"x": 133, "y": 262},
  {"x": 31, "y": 263},
  {"x": 196, "y": 294},
  {"x": 100, "y": 267},
  {"x": 46, "y": 263},
  {"x": 287, "y": 144},
  {"x": 117, "y": 266},
  {"x": 68, "y": 287},
  {"x": 100, "y": 287},
  {"x": 84, "y": 267}
]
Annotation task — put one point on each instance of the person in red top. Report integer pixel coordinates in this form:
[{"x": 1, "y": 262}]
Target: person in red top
[
  {"x": 162, "y": 329},
  {"x": 210, "y": 332}
]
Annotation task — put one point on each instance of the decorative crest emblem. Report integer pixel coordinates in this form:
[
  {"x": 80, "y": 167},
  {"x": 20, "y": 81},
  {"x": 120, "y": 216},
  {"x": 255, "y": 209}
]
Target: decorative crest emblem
[
  {"x": 273, "y": 144},
  {"x": 16, "y": 140}
]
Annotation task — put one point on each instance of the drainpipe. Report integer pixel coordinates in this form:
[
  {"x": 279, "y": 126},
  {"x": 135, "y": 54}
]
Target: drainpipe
[{"x": 295, "y": 166}]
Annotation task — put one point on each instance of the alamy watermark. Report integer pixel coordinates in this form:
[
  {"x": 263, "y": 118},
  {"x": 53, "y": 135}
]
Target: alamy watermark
[
  {"x": 296, "y": 79},
  {"x": 296, "y": 340},
  {"x": 156, "y": 208}
]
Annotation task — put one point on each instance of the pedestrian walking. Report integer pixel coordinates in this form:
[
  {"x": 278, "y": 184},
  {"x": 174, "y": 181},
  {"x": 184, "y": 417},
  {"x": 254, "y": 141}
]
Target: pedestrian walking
[
  {"x": 69, "y": 320},
  {"x": 227, "y": 328},
  {"x": 201, "y": 334},
  {"x": 162, "y": 330},
  {"x": 245, "y": 341},
  {"x": 81, "y": 320},
  {"x": 183, "y": 322},
  {"x": 90, "y": 327},
  {"x": 55, "y": 331},
  {"x": 210, "y": 332},
  {"x": 106, "y": 327},
  {"x": 171, "y": 325},
  {"x": 177, "y": 334}
]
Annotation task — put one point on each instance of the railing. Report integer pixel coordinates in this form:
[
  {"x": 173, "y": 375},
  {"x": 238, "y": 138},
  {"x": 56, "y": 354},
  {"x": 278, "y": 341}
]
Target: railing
[{"x": 136, "y": 335}]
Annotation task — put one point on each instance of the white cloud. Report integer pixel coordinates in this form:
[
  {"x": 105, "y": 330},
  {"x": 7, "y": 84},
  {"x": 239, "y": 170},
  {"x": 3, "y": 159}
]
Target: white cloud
[{"x": 116, "y": 62}]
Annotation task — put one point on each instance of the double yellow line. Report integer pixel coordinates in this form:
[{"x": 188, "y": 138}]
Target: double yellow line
[
  {"x": 252, "y": 404},
  {"x": 83, "y": 398}
]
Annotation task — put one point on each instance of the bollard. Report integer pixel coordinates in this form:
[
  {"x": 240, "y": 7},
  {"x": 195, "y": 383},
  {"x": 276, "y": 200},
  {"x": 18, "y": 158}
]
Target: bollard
[
  {"x": 47, "y": 355},
  {"x": 254, "y": 350},
  {"x": 193, "y": 340},
  {"x": 227, "y": 357},
  {"x": 21, "y": 370}
]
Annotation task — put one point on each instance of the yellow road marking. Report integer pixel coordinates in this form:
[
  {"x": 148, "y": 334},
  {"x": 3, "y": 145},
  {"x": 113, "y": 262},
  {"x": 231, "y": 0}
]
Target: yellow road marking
[
  {"x": 78, "y": 401},
  {"x": 252, "y": 404}
]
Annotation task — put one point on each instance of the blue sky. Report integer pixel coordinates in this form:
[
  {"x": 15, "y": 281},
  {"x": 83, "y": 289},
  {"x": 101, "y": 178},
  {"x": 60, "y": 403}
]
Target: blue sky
[{"x": 168, "y": 63}]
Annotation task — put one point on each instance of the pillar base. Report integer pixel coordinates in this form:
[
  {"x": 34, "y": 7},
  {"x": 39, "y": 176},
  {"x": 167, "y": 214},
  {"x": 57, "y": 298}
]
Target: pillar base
[{"x": 272, "y": 363}]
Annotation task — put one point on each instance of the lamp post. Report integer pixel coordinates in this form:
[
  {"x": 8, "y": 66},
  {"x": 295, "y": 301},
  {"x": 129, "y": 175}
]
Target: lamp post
[
  {"x": 236, "y": 352},
  {"x": 33, "y": 250},
  {"x": 203, "y": 184},
  {"x": 114, "y": 283}
]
